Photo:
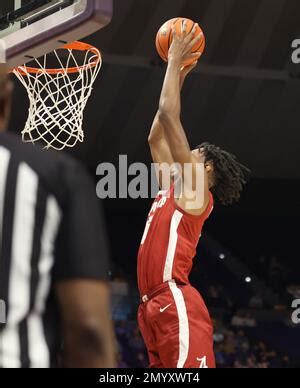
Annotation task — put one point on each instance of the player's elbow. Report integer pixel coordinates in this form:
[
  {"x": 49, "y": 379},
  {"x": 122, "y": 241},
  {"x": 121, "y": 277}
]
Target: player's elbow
[
  {"x": 165, "y": 116},
  {"x": 152, "y": 139},
  {"x": 169, "y": 119},
  {"x": 156, "y": 133}
]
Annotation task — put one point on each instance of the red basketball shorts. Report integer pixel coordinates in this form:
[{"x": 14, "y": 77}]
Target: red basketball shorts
[{"x": 177, "y": 328}]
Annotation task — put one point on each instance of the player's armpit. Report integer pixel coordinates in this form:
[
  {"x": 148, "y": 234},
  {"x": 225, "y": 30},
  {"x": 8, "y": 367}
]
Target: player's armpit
[
  {"x": 160, "y": 151},
  {"x": 193, "y": 204},
  {"x": 88, "y": 336},
  {"x": 176, "y": 138}
]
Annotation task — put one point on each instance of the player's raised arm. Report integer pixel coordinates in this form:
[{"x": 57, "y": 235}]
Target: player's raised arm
[
  {"x": 159, "y": 146},
  {"x": 170, "y": 100},
  {"x": 169, "y": 114},
  {"x": 160, "y": 151}
]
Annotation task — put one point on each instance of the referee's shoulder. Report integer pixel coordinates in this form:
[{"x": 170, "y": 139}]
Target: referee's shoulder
[
  {"x": 56, "y": 169},
  {"x": 33, "y": 154}
]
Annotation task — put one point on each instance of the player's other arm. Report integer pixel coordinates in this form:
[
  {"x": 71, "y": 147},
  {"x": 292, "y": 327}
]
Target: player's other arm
[{"x": 169, "y": 115}]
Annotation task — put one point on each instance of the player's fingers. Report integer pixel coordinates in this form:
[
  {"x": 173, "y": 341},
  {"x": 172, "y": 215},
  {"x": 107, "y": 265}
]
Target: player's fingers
[
  {"x": 193, "y": 32},
  {"x": 174, "y": 32},
  {"x": 184, "y": 27},
  {"x": 191, "y": 35},
  {"x": 195, "y": 40}
]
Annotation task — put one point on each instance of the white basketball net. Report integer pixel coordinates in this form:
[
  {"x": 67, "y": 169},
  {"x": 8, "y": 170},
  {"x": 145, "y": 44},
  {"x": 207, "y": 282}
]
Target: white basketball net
[{"x": 57, "y": 100}]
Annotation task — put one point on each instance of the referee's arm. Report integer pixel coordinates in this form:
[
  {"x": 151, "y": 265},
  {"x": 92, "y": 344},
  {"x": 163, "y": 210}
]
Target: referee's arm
[
  {"x": 87, "y": 330},
  {"x": 81, "y": 278}
]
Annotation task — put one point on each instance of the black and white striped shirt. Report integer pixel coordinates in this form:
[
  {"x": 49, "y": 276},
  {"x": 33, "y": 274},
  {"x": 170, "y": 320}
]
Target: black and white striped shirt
[{"x": 51, "y": 230}]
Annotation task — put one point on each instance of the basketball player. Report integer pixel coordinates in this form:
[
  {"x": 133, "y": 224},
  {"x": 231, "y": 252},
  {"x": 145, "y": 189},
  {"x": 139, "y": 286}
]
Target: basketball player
[
  {"x": 173, "y": 318},
  {"x": 53, "y": 258}
]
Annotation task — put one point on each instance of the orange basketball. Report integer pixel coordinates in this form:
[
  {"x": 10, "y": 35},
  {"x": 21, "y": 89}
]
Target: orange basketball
[{"x": 164, "y": 38}]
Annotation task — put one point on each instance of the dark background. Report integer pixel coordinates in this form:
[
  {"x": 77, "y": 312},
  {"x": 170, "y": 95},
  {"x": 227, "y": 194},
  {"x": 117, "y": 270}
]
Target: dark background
[{"x": 244, "y": 96}]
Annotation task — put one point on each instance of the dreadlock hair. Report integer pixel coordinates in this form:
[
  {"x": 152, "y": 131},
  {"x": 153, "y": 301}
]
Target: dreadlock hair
[{"x": 229, "y": 175}]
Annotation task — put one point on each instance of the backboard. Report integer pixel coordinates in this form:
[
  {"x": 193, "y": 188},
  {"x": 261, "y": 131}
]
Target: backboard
[{"x": 31, "y": 28}]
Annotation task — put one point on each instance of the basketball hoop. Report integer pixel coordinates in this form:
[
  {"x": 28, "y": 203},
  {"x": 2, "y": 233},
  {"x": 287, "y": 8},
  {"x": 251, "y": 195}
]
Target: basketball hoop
[{"x": 59, "y": 85}]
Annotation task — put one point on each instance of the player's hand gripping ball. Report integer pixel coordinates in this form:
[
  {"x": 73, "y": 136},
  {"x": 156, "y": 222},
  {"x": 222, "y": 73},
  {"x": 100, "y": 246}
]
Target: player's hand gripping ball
[{"x": 164, "y": 38}]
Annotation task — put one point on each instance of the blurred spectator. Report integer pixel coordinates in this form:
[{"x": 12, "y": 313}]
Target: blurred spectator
[
  {"x": 241, "y": 319},
  {"x": 276, "y": 278},
  {"x": 121, "y": 363},
  {"x": 217, "y": 297},
  {"x": 256, "y": 301},
  {"x": 218, "y": 334},
  {"x": 294, "y": 290},
  {"x": 262, "y": 266}
]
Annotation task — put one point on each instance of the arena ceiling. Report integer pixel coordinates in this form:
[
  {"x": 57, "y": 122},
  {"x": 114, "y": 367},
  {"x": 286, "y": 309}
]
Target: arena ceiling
[{"x": 244, "y": 95}]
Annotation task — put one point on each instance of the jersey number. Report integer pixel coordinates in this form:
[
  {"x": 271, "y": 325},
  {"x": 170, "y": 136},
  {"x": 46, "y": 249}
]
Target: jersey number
[
  {"x": 149, "y": 221},
  {"x": 157, "y": 205}
]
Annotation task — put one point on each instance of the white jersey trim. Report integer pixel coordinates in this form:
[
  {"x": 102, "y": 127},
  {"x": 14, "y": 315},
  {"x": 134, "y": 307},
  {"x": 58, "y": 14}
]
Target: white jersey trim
[
  {"x": 19, "y": 287},
  {"x": 168, "y": 270},
  {"x": 184, "y": 332}
]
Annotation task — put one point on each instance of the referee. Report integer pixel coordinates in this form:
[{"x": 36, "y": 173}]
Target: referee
[{"x": 54, "y": 259}]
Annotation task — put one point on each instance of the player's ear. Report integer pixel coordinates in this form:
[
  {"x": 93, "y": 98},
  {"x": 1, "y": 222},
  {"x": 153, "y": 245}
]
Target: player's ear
[{"x": 209, "y": 167}]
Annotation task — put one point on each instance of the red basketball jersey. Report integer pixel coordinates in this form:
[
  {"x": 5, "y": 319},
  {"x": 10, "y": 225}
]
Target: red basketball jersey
[{"x": 169, "y": 243}]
